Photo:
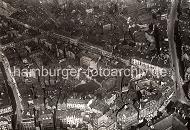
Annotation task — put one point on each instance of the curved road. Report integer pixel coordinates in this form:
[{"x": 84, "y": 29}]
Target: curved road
[
  {"x": 179, "y": 92},
  {"x": 11, "y": 85}
]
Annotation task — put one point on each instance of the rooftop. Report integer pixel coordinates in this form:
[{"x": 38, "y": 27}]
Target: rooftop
[{"x": 76, "y": 101}]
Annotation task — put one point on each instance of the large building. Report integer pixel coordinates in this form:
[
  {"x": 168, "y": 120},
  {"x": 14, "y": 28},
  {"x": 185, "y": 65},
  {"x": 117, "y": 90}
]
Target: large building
[
  {"x": 171, "y": 122},
  {"x": 105, "y": 122},
  {"x": 71, "y": 117},
  {"x": 139, "y": 66},
  {"x": 76, "y": 104}
]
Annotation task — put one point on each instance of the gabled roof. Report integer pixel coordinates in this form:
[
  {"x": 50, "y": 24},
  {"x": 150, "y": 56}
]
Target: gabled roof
[
  {"x": 171, "y": 122},
  {"x": 100, "y": 105},
  {"x": 93, "y": 56}
]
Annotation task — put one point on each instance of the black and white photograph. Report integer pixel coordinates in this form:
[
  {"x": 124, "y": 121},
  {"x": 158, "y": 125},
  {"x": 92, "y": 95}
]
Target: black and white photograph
[{"x": 94, "y": 64}]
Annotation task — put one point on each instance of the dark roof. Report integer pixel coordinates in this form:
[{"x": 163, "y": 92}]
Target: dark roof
[
  {"x": 170, "y": 122},
  {"x": 100, "y": 105},
  {"x": 89, "y": 87},
  {"x": 144, "y": 128},
  {"x": 93, "y": 56},
  {"x": 109, "y": 83}
]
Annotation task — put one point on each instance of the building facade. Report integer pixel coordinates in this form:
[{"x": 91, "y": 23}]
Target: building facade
[{"x": 76, "y": 104}]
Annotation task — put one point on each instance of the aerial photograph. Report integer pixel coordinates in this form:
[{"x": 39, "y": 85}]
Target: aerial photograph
[{"x": 94, "y": 64}]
